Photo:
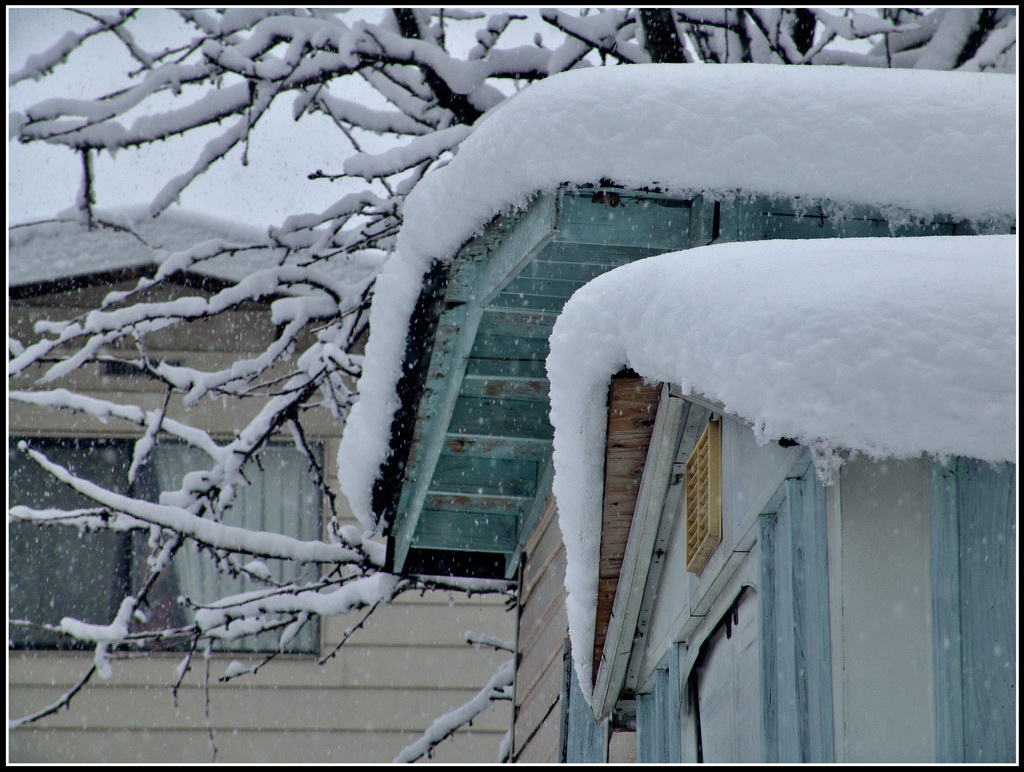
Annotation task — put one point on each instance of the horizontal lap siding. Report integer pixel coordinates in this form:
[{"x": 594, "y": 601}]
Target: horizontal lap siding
[
  {"x": 264, "y": 745},
  {"x": 408, "y": 665},
  {"x": 406, "y": 668},
  {"x": 542, "y": 629}
]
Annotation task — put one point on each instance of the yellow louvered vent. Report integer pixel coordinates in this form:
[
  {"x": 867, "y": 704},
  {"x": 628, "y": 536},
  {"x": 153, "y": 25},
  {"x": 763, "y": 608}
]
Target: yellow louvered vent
[{"x": 704, "y": 498}]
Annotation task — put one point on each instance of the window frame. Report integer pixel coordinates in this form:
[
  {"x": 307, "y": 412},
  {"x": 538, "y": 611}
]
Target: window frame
[{"x": 132, "y": 544}]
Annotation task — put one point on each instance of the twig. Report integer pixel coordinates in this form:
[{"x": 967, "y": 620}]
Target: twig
[{"x": 63, "y": 702}]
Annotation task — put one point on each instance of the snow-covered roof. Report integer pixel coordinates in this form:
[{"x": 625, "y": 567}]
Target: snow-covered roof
[
  {"x": 62, "y": 247},
  {"x": 888, "y": 347},
  {"x": 916, "y": 142}
]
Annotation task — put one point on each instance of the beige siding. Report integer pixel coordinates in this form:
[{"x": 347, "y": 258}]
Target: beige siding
[
  {"x": 543, "y": 627},
  {"x": 364, "y": 705},
  {"x": 408, "y": 665},
  {"x": 241, "y": 746}
]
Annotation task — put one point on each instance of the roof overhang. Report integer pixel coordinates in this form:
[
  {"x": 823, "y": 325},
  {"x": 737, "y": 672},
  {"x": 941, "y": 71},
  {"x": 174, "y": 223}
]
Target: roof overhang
[{"x": 472, "y": 461}]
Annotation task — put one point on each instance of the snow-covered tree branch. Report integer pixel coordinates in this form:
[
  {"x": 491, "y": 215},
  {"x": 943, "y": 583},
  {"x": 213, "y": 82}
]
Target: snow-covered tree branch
[{"x": 400, "y": 92}]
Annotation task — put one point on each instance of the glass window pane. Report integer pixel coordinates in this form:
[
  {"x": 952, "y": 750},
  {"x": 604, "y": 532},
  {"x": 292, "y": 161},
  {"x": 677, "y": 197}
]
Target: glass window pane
[{"x": 58, "y": 571}]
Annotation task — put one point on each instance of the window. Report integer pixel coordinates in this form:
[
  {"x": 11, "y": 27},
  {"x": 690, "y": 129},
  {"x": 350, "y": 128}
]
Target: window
[{"x": 57, "y": 571}]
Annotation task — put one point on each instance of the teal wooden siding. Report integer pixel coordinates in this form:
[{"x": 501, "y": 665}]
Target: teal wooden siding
[
  {"x": 765, "y": 218},
  {"x": 479, "y": 458},
  {"x": 974, "y": 581},
  {"x": 472, "y": 443},
  {"x": 658, "y": 716},
  {"x": 795, "y": 632},
  {"x": 583, "y": 741}
]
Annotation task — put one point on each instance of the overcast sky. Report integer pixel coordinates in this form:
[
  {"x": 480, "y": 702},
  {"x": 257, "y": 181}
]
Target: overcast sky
[{"x": 44, "y": 180}]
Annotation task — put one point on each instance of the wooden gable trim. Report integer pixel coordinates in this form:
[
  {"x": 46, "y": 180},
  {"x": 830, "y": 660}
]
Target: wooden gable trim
[
  {"x": 637, "y": 559},
  {"x": 632, "y": 407},
  {"x": 434, "y": 369}
]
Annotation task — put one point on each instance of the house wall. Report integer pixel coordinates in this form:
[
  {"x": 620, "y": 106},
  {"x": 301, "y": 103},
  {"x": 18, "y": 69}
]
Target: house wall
[
  {"x": 866, "y": 647},
  {"x": 879, "y": 590},
  {"x": 881, "y": 612},
  {"x": 682, "y": 602},
  {"x": 542, "y": 628},
  {"x": 407, "y": 666}
]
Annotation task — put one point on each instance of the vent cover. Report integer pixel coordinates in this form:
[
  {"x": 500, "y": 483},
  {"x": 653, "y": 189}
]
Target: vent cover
[{"x": 704, "y": 498}]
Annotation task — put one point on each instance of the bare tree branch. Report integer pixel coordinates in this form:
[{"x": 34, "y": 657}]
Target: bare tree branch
[{"x": 218, "y": 74}]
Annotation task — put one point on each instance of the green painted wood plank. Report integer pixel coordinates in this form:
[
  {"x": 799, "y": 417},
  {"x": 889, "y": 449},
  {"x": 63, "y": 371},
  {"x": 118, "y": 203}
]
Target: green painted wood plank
[
  {"x": 534, "y": 389},
  {"x": 515, "y": 323},
  {"x": 503, "y": 368},
  {"x": 484, "y": 476},
  {"x": 811, "y": 624},
  {"x": 544, "y": 269},
  {"x": 703, "y": 216},
  {"x": 767, "y": 218},
  {"x": 470, "y": 502},
  {"x": 572, "y": 252},
  {"x": 502, "y": 418},
  {"x": 928, "y": 229},
  {"x": 486, "y": 446},
  {"x": 469, "y": 531},
  {"x": 621, "y": 218},
  {"x": 947, "y": 659},
  {"x": 528, "y": 302},
  {"x": 987, "y": 503},
  {"x": 509, "y": 347},
  {"x": 815, "y": 226},
  {"x": 543, "y": 286}
]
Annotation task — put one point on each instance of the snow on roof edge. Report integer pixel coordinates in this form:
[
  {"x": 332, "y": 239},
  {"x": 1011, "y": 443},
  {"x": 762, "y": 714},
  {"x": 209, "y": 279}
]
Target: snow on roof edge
[
  {"x": 60, "y": 247},
  {"x": 887, "y": 347},
  {"x": 849, "y": 135}
]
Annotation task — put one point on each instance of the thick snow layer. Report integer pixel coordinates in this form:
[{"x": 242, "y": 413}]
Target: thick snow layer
[
  {"x": 888, "y": 347},
  {"x": 63, "y": 248},
  {"x": 924, "y": 142},
  {"x": 129, "y": 237}
]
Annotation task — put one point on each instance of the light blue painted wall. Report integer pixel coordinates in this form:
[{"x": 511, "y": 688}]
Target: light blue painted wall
[{"x": 882, "y": 601}]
